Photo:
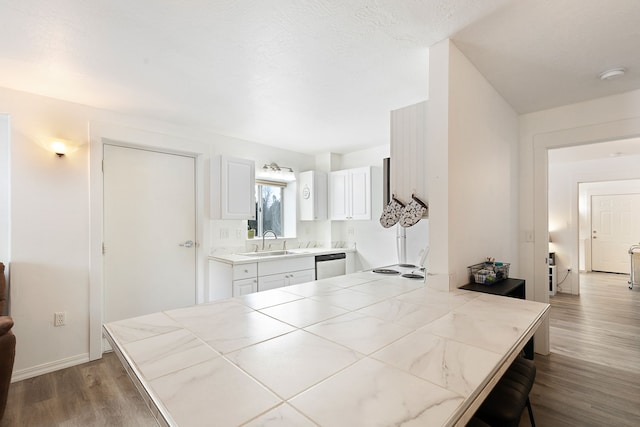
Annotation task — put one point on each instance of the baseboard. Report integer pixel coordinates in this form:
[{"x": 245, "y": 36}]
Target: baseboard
[{"x": 45, "y": 368}]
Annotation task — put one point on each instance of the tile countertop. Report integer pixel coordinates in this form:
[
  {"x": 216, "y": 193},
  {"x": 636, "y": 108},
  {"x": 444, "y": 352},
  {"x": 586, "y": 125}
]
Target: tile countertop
[
  {"x": 355, "y": 350},
  {"x": 237, "y": 259}
]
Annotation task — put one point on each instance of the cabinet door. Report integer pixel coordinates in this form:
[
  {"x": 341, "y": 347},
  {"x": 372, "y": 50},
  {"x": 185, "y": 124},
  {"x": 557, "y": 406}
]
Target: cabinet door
[
  {"x": 312, "y": 195},
  {"x": 232, "y": 188},
  {"x": 245, "y": 286},
  {"x": 272, "y": 281},
  {"x": 303, "y": 276},
  {"x": 339, "y": 195},
  {"x": 360, "y": 180}
]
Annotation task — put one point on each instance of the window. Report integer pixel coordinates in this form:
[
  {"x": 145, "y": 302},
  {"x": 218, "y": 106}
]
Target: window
[{"x": 269, "y": 208}]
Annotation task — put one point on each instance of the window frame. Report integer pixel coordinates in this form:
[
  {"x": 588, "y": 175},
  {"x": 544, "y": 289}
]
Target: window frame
[{"x": 259, "y": 221}]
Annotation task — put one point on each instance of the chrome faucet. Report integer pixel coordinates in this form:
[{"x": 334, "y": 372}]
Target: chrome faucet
[{"x": 265, "y": 233}]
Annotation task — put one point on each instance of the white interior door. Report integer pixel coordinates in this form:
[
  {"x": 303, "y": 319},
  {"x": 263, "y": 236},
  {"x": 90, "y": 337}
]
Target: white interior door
[
  {"x": 615, "y": 226},
  {"x": 149, "y": 218}
]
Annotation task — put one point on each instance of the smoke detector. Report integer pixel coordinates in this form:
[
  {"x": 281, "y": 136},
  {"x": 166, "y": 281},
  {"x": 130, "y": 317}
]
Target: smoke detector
[{"x": 612, "y": 73}]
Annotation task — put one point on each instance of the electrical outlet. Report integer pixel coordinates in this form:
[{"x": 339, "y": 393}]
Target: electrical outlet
[
  {"x": 224, "y": 233},
  {"x": 59, "y": 318}
]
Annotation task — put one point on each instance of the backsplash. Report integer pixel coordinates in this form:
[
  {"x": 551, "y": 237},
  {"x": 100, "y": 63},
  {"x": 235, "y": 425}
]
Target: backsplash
[{"x": 277, "y": 244}]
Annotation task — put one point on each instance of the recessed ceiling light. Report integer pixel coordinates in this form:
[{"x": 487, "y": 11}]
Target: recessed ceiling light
[{"x": 612, "y": 73}]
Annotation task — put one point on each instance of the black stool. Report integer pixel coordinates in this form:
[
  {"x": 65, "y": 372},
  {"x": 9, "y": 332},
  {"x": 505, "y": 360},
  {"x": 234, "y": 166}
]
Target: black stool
[
  {"x": 504, "y": 405},
  {"x": 477, "y": 422}
]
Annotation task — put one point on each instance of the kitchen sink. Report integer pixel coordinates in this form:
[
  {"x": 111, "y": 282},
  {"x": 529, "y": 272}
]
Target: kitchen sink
[{"x": 267, "y": 253}]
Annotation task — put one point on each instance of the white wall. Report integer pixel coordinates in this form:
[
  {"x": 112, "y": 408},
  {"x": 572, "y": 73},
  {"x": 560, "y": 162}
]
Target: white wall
[
  {"x": 375, "y": 244},
  {"x": 472, "y": 169},
  {"x": 4, "y": 195},
  {"x": 569, "y": 208},
  {"x": 50, "y": 228},
  {"x": 599, "y": 120}
]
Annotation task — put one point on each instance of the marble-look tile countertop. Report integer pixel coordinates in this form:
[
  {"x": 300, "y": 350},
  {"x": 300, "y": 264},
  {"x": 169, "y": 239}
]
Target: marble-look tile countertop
[{"x": 355, "y": 350}]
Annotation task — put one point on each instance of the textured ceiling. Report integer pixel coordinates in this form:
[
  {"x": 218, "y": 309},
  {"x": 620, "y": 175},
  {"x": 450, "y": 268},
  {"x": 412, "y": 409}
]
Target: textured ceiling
[
  {"x": 308, "y": 75},
  {"x": 541, "y": 54}
]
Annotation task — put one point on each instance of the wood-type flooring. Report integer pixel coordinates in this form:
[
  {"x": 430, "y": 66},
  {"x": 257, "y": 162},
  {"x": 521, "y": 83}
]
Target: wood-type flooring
[{"x": 592, "y": 375}]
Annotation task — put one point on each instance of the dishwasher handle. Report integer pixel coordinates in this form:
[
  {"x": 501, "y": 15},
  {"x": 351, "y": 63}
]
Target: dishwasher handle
[{"x": 330, "y": 257}]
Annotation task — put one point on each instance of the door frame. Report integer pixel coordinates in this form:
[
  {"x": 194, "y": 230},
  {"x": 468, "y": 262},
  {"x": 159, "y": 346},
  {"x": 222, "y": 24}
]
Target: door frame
[
  {"x": 542, "y": 142},
  {"x": 99, "y": 134}
]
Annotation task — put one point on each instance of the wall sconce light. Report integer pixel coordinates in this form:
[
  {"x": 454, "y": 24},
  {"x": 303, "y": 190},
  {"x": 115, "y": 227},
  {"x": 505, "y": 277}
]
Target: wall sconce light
[{"x": 61, "y": 147}]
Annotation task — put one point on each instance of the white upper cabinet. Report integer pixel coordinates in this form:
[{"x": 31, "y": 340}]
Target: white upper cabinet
[
  {"x": 350, "y": 194},
  {"x": 232, "y": 188},
  {"x": 312, "y": 189}
]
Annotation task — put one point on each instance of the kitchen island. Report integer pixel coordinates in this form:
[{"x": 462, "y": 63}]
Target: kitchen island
[{"x": 346, "y": 351}]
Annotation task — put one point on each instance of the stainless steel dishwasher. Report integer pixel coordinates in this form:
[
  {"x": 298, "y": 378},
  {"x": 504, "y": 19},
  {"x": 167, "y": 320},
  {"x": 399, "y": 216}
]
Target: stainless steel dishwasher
[{"x": 330, "y": 265}]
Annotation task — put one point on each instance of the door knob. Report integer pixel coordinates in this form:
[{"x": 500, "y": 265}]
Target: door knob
[{"x": 187, "y": 244}]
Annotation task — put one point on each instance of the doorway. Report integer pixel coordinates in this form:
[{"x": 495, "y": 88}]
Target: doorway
[
  {"x": 575, "y": 175},
  {"x": 149, "y": 245}
]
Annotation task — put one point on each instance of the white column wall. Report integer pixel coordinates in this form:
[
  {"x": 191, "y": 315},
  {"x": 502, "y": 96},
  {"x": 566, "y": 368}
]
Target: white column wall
[{"x": 472, "y": 176}]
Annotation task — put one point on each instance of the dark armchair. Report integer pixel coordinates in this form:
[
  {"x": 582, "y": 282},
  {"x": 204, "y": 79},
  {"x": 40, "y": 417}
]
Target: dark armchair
[{"x": 7, "y": 345}]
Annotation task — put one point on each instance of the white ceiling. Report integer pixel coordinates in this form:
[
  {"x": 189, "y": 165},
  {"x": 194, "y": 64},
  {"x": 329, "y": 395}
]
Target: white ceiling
[
  {"x": 603, "y": 150},
  {"x": 308, "y": 75}
]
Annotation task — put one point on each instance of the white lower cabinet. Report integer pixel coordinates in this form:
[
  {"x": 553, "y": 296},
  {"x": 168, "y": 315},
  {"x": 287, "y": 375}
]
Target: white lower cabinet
[
  {"x": 303, "y": 276},
  {"x": 227, "y": 280},
  {"x": 285, "y": 272},
  {"x": 245, "y": 286},
  {"x": 272, "y": 281}
]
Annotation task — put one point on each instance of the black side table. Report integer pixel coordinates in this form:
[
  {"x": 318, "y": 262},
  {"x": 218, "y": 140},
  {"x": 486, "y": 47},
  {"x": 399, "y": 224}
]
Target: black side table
[{"x": 514, "y": 288}]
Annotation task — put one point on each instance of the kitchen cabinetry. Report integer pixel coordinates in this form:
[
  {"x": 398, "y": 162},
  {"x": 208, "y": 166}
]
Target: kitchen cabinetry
[
  {"x": 350, "y": 194},
  {"x": 226, "y": 280},
  {"x": 312, "y": 187},
  {"x": 408, "y": 151},
  {"x": 232, "y": 188},
  {"x": 285, "y": 272}
]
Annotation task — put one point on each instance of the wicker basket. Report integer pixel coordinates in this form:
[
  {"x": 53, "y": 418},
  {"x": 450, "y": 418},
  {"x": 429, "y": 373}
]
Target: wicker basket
[{"x": 488, "y": 273}]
